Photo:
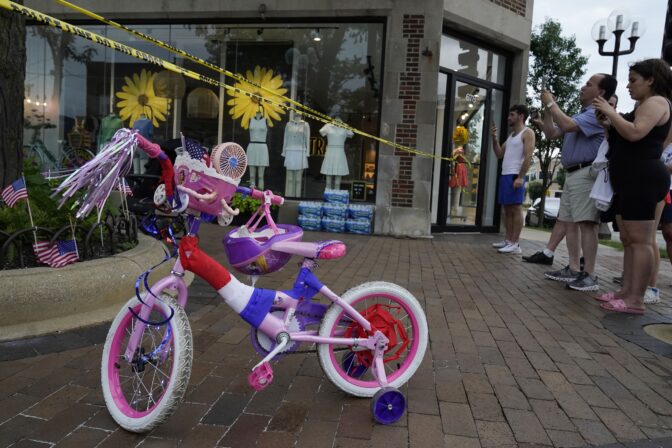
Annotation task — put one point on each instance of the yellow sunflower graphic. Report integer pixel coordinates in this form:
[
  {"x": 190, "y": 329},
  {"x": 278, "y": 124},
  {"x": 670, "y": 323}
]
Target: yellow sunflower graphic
[
  {"x": 138, "y": 97},
  {"x": 245, "y": 107}
]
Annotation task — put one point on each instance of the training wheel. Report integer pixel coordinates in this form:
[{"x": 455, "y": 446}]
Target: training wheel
[{"x": 388, "y": 405}]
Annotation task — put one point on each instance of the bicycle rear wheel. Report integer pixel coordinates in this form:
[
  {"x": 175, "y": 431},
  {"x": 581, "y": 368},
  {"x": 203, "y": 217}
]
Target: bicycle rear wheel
[
  {"x": 390, "y": 309},
  {"x": 143, "y": 392}
]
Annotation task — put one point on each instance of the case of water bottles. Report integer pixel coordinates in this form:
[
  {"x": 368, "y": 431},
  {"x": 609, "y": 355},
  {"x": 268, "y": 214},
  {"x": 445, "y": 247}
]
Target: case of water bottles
[
  {"x": 334, "y": 210},
  {"x": 310, "y": 208},
  {"x": 359, "y": 226},
  {"x": 309, "y": 222},
  {"x": 333, "y": 224},
  {"x": 336, "y": 196},
  {"x": 360, "y": 211}
]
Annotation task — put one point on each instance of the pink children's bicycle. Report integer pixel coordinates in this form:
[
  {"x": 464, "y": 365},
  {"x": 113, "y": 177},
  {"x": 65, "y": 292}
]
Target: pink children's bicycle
[{"x": 370, "y": 340}]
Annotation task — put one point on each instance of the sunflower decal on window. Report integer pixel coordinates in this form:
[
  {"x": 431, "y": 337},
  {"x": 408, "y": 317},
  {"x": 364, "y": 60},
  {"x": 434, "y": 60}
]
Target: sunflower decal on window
[
  {"x": 245, "y": 106},
  {"x": 138, "y": 97}
]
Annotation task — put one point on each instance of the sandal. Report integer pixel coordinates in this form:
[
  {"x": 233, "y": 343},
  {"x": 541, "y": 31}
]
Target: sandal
[
  {"x": 606, "y": 297},
  {"x": 619, "y": 306}
]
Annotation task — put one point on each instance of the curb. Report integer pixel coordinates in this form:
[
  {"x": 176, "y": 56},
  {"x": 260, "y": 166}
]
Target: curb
[{"x": 39, "y": 301}]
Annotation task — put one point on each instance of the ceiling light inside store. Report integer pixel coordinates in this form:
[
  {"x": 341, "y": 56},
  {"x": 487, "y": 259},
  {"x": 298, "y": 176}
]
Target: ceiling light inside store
[
  {"x": 316, "y": 35},
  {"x": 260, "y": 31}
]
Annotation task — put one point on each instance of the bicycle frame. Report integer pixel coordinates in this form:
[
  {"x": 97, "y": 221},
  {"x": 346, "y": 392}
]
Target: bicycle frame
[{"x": 306, "y": 286}]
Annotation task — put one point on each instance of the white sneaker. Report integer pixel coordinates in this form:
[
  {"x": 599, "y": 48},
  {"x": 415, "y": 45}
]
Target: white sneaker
[
  {"x": 500, "y": 244},
  {"x": 511, "y": 248},
  {"x": 652, "y": 295}
]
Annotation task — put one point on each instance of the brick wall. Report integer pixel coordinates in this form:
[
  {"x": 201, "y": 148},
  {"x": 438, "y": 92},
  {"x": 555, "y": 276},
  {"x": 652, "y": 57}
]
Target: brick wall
[
  {"x": 409, "y": 92},
  {"x": 517, "y": 6}
]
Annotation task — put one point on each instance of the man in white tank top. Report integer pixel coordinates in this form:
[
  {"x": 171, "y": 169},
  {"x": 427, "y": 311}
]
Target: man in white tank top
[{"x": 517, "y": 154}]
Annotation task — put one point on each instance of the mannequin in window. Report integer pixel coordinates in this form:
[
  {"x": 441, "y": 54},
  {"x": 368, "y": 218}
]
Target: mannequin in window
[
  {"x": 108, "y": 126},
  {"x": 257, "y": 150},
  {"x": 145, "y": 128},
  {"x": 295, "y": 151},
  {"x": 335, "y": 165},
  {"x": 458, "y": 174}
]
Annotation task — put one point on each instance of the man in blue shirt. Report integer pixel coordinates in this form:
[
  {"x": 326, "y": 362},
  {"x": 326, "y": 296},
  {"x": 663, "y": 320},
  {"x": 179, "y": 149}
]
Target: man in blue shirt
[{"x": 583, "y": 135}]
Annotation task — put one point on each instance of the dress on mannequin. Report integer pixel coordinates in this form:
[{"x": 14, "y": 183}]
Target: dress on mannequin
[
  {"x": 295, "y": 151},
  {"x": 335, "y": 163},
  {"x": 145, "y": 128},
  {"x": 458, "y": 180},
  {"x": 257, "y": 150}
]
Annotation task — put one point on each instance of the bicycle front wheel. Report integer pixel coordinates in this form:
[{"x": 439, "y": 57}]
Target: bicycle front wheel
[
  {"x": 141, "y": 393},
  {"x": 390, "y": 309}
]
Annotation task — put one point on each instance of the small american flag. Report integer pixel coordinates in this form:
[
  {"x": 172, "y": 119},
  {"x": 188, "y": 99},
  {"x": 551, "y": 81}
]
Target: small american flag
[
  {"x": 193, "y": 148},
  {"x": 124, "y": 188},
  {"x": 56, "y": 255},
  {"x": 14, "y": 192}
]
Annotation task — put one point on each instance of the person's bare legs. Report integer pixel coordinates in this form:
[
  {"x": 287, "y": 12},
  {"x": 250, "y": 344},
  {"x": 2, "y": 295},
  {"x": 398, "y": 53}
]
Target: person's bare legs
[
  {"x": 627, "y": 257},
  {"x": 656, "y": 252},
  {"x": 588, "y": 231},
  {"x": 516, "y": 223},
  {"x": 572, "y": 239},
  {"x": 508, "y": 223},
  {"x": 642, "y": 260},
  {"x": 667, "y": 234},
  {"x": 558, "y": 234}
]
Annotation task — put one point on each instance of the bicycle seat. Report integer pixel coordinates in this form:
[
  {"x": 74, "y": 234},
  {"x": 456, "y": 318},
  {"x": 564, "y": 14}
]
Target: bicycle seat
[
  {"x": 322, "y": 250},
  {"x": 253, "y": 253}
]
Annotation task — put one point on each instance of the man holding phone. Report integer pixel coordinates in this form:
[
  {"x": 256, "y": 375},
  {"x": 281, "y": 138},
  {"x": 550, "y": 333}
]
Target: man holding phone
[
  {"x": 583, "y": 135},
  {"x": 517, "y": 154}
]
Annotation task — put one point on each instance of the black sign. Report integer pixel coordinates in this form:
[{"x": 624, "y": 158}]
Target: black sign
[{"x": 358, "y": 191}]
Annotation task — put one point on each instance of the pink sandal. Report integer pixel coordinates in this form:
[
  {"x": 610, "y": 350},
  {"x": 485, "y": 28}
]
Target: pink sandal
[
  {"x": 606, "y": 297},
  {"x": 619, "y": 306}
]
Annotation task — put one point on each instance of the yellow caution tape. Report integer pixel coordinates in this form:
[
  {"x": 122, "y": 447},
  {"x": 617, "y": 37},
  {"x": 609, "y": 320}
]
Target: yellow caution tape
[{"x": 304, "y": 110}]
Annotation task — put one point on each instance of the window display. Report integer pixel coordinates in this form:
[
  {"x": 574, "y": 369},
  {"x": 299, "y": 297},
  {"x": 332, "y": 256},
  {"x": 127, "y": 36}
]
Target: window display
[{"x": 92, "y": 90}]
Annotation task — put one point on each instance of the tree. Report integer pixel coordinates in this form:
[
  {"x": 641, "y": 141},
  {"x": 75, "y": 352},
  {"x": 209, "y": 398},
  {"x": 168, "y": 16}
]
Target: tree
[
  {"x": 561, "y": 176},
  {"x": 12, "y": 75},
  {"x": 557, "y": 64}
]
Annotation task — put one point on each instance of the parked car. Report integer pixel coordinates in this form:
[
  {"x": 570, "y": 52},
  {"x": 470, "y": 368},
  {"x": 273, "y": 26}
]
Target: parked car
[{"x": 550, "y": 212}]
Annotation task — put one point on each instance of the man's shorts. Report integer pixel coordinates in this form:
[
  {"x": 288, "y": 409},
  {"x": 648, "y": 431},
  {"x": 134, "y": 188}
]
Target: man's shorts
[
  {"x": 576, "y": 205},
  {"x": 507, "y": 194}
]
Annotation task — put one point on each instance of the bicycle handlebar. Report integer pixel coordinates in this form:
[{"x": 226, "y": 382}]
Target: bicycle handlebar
[
  {"x": 262, "y": 195},
  {"x": 155, "y": 152}
]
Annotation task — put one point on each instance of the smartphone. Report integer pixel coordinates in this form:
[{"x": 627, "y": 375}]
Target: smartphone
[
  {"x": 544, "y": 83},
  {"x": 534, "y": 114}
]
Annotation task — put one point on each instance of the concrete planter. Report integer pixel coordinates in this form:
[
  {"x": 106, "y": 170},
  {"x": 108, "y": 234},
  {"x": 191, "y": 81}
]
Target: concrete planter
[{"x": 39, "y": 301}]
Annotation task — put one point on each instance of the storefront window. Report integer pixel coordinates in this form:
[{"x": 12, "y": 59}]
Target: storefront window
[{"x": 76, "y": 92}]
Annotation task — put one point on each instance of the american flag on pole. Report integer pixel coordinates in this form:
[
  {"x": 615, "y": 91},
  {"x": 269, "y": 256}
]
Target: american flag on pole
[
  {"x": 57, "y": 255},
  {"x": 14, "y": 192},
  {"x": 124, "y": 188},
  {"x": 193, "y": 148}
]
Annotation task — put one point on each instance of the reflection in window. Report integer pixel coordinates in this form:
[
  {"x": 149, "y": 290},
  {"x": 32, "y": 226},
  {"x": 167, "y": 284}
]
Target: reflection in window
[
  {"x": 335, "y": 70},
  {"x": 470, "y": 59}
]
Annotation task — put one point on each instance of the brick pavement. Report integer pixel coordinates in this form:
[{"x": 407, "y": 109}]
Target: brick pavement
[{"x": 514, "y": 360}]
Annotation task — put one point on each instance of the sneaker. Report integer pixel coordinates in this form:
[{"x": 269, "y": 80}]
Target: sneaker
[
  {"x": 539, "y": 258},
  {"x": 584, "y": 282},
  {"x": 500, "y": 244},
  {"x": 565, "y": 275},
  {"x": 513, "y": 248},
  {"x": 618, "y": 280},
  {"x": 652, "y": 295}
]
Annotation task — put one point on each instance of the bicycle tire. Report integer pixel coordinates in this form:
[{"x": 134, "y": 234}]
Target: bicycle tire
[
  {"x": 356, "y": 381},
  {"x": 118, "y": 374}
]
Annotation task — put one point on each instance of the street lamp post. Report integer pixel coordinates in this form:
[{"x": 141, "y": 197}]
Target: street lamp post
[{"x": 617, "y": 23}]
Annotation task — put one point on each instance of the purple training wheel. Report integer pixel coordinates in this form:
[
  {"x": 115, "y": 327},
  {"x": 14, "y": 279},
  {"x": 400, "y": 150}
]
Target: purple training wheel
[{"x": 388, "y": 405}]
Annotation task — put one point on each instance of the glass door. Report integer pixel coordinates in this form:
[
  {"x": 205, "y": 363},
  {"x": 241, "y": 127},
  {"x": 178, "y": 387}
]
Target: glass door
[{"x": 468, "y": 131}]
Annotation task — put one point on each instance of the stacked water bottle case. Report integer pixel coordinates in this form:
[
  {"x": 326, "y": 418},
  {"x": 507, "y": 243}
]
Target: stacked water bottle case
[{"x": 336, "y": 214}]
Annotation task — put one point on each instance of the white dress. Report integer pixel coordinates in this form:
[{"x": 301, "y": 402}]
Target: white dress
[
  {"x": 296, "y": 145},
  {"x": 257, "y": 150},
  {"x": 335, "y": 163}
]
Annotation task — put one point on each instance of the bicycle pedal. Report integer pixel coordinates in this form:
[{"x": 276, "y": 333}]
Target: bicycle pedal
[{"x": 261, "y": 377}]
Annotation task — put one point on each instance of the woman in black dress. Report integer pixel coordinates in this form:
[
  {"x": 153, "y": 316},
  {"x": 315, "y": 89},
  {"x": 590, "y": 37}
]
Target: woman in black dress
[{"x": 639, "y": 177}]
